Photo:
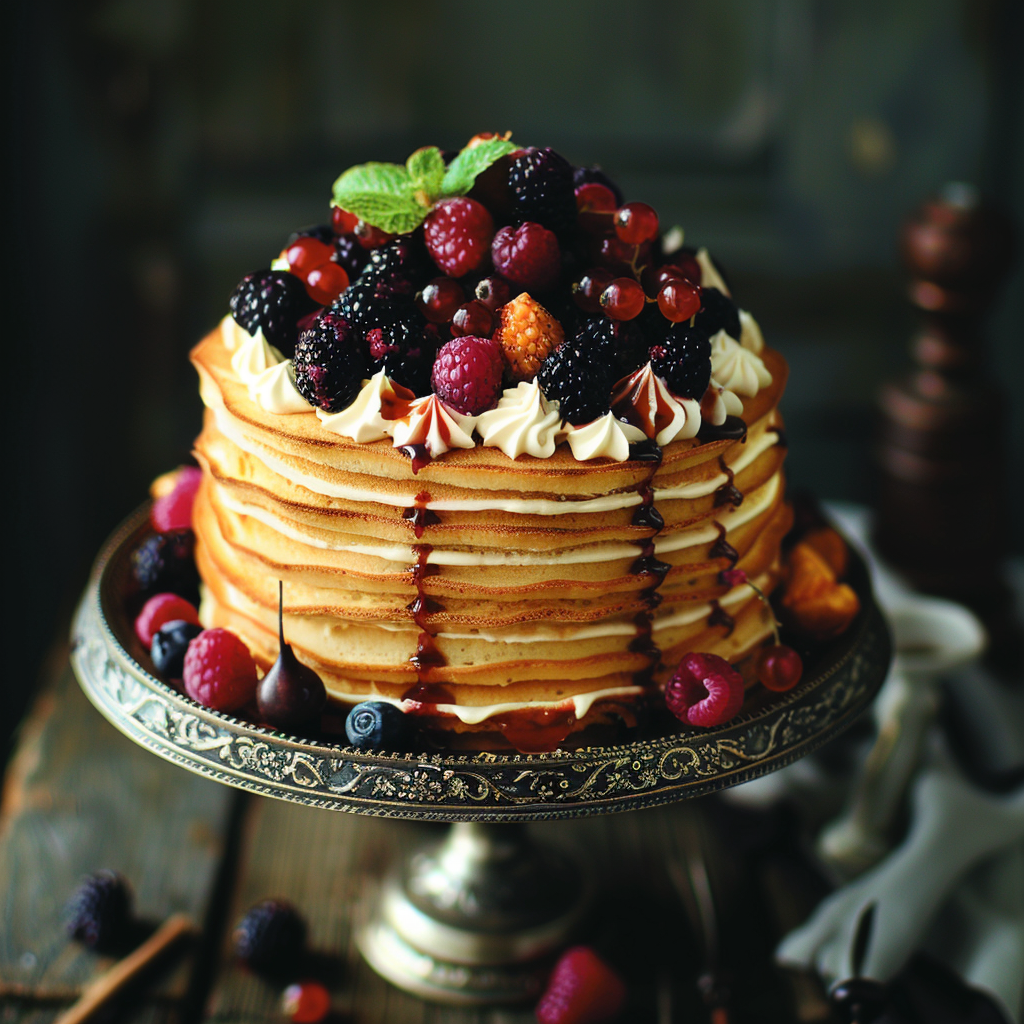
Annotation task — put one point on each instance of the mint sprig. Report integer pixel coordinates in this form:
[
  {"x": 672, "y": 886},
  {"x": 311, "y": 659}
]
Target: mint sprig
[{"x": 397, "y": 199}]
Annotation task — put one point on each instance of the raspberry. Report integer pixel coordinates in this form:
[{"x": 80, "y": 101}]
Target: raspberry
[
  {"x": 458, "y": 234},
  {"x": 99, "y": 911},
  {"x": 582, "y": 989},
  {"x": 528, "y": 334},
  {"x": 174, "y": 510},
  {"x": 586, "y": 175},
  {"x": 161, "y": 608},
  {"x": 717, "y": 313},
  {"x": 270, "y": 938},
  {"x": 619, "y": 341},
  {"x": 542, "y": 188},
  {"x": 528, "y": 256},
  {"x": 330, "y": 363},
  {"x": 683, "y": 359},
  {"x": 274, "y": 301},
  {"x": 467, "y": 374},
  {"x": 165, "y": 561},
  {"x": 219, "y": 671},
  {"x": 349, "y": 255},
  {"x": 580, "y": 377},
  {"x": 705, "y": 690}
]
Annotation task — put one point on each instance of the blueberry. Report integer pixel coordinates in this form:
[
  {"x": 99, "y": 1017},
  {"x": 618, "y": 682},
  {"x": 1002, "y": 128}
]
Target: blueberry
[
  {"x": 377, "y": 725},
  {"x": 169, "y": 646},
  {"x": 271, "y": 938}
]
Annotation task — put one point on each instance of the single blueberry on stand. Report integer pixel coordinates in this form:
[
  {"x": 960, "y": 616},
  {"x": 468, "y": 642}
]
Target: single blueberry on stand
[
  {"x": 377, "y": 725},
  {"x": 170, "y": 642}
]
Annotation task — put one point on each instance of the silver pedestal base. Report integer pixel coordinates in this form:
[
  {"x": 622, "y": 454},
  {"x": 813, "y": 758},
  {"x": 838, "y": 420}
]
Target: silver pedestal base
[{"x": 474, "y": 919}]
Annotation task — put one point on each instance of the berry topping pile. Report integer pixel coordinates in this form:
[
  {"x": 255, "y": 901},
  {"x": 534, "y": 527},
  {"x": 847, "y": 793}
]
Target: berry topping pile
[{"x": 575, "y": 287}]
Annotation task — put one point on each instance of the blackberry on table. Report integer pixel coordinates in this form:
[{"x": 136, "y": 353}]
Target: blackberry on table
[
  {"x": 274, "y": 301},
  {"x": 99, "y": 911},
  {"x": 541, "y": 183},
  {"x": 580, "y": 376},
  {"x": 166, "y": 562},
  {"x": 718, "y": 313},
  {"x": 271, "y": 938},
  {"x": 683, "y": 359},
  {"x": 330, "y": 362}
]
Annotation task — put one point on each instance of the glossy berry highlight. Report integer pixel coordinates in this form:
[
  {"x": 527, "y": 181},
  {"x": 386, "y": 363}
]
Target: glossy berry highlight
[
  {"x": 636, "y": 223},
  {"x": 439, "y": 300},
  {"x": 679, "y": 300},
  {"x": 779, "y": 668},
  {"x": 623, "y": 299}
]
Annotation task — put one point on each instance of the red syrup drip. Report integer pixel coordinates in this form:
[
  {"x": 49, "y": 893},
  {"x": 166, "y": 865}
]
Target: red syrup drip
[
  {"x": 645, "y": 514},
  {"x": 419, "y": 455},
  {"x": 723, "y": 549},
  {"x": 421, "y": 516},
  {"x": 783, "y": 441},
  {"x": 427, "y": 655},
  {"x": 728, "y": 493},
  {"x": 647, "y": 564},
  {"x": 536, "y": 730},
  {"x": 720, "y": 617},
  {"x": 425, "y": 697}
]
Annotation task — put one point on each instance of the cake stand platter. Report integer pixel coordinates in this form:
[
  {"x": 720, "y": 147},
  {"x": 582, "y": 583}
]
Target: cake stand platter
[{"x": 469, "y": 919}]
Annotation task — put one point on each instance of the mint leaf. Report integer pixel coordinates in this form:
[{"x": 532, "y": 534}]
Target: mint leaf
[
  {"x": 390, "y": 178},
  {"x": 426, "y": 169},
  {"x": 463, "y": 170},
  {"x": 382, "y": 195}
]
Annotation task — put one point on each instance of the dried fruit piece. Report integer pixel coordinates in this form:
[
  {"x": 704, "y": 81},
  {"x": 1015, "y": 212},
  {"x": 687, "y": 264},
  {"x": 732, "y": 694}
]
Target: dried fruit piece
[
  {"x": 528, "y": 334},
  {"x": 814, "y": 602}
]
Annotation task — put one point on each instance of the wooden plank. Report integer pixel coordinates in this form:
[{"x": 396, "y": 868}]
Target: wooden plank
[{"x": 79, "y": 796}]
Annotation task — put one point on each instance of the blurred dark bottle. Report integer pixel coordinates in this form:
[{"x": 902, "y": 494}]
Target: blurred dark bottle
[{"x": 942, "y": 510}]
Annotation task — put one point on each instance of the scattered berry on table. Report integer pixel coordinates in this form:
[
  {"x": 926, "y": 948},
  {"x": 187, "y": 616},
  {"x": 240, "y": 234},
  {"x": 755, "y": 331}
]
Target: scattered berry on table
[
  {"x": 779, "y": 668},
  {"x": 682, "y": 358},
  {"x": 586, "y": 292},
  {"x": 99, "y": 910},
  {"x": 679, "y": 300},
  {"x": 161, "y": 608},
  {"x": 170, "y": 642},
  {"x": 541, "y": 183},
  {"x": 370, "y": 237},
  {"x": 528, "y": 334},
  {"x": 528, "y": 256},
  {"x": 330, "y": 362},
  {"x": 472, "y": 318},
  {"x": 439, "y": 299},
  {"x": 582, "y": 989},
  {"x": 174, "y": 511},
  {"x": 305, "y": 1002},
  {"x": 580, "y": 380},
  {"x": 493, "y": 291},
  {"x": 219, "y": 671},
  {"x": 636, "y": 223},
  {"x": 705, "y": 690},
  {"x": 343, "y": 222},
  {"x": 467, "y": 374},
  {"x": 271, "y": 938},
  {"x": 350, "y": 255},
  {"x": 165, "y": 561},
  {"x": 623, "y": 299},
  {"x": 586, "y": 175},
  {"x": 326, "y": 282},
  {"x": 718, "y": 313},
  {"x": 458, "y": 235},
  {"x": 377, "y": 725},
  {"x": 273, "y": 301}
]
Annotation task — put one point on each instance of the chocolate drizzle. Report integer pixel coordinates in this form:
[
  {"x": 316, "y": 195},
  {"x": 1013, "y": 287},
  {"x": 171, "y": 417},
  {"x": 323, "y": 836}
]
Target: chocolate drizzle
[
  {"x": 733, "y": 429},
  {"x": 728, "y": 493},
  {"x": 419, "y": 455},
  {"x": 420, "y": 515},
  {"x": 646, "y": 514},
  {"x": 722, "y": 548},
  {"x": 645, "y": 451},
  {"x": 427, "y": 655},
  {"x": 720, "y": 617}
]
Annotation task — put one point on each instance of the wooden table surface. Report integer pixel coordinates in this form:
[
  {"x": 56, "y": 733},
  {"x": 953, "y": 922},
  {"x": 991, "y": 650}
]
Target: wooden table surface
[{"x": 79, "y": 796}]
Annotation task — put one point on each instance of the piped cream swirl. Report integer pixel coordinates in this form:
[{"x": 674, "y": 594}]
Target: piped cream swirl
[
  {"x": 644, "y": 400},
  {"x": 737, "y": 368},
  {"x": 363, "y": 421},
  {"x": 523, "y": 423},
  {"x": 435, "y": 425},
  {"x": 607, "y": 437},
  {"x": 267, "y": 375}
]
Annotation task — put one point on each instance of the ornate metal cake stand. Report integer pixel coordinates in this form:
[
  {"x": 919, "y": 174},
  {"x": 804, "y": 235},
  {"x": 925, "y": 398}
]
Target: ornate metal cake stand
[{"x": 469, "y": 919}]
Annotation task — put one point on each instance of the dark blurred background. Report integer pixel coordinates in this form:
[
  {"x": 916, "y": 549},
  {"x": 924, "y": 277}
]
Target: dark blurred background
[{"x": 160, "y": 149}]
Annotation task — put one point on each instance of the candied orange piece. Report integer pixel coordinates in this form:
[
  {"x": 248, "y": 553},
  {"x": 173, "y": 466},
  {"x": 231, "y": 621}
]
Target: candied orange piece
[
  {"x": 832, "y": 548},
  {"x": 815, "y": 603}
]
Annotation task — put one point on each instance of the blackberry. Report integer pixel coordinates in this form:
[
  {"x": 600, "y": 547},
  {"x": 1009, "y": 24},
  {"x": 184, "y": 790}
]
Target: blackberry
[
  {"x": 358, "y": 304},
  {"x": 411, "y": 369},
  {"x": 400, "y": 267},
  {"x": 274, "y": 301},
  {"x": 542, "y": 189},
  {"x": 586, "y": 175},
  {"x": 331, "y": 361},
  {"x": 403, "y": 345},
  {"x": 653, "y": 323},
  {"x": 99, "y": 912},
  {"x": 683, "y": 359},
  {"x": 349, "y": 255},
  {"x": 620, "y": 342},
  {"x": 321, "y": 232},
  {"x": 271, "y": 938},
  {"x": 580, "y": 376},
  {"x": 165, "y": 562},
  {"x": 717, "y": 313}
]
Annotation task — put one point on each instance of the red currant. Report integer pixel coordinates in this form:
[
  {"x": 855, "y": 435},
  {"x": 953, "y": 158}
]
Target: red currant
[
  {"x": 493, "y": 291},
  {"x": 595, "y": 203},
  {"x": 304, "y": 254},
  {"x": 439, "y": 299},
  {"x": 623, "y": 299},
  {"x": 655, "y": 278},
  {"x": 613, "y": 253},
  {"x": 678, "y": 300},
  {"x": 685, "y": 266},
  {"x": 371, "y": 237},
  {"x": 343, "y": 222},
  {"x": 306, "y": 1002},
  {"x": 636, "y": 223},
  {"x": 779, "y": 668},
  {"x": 586, "y": 292},
  {"x": 326, "y": 282},
  {"x": 473, "y": 319}
]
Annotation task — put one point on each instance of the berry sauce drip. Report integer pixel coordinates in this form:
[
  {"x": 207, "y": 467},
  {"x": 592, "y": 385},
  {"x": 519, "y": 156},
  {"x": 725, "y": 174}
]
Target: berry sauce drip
[
  {"x": 723, "y": 549},
  {"x": 420, "y": 516},
  {"x": 419, "y": 455},
  {"x": 536, "y": 731},
  {"x": 733, "y": 429},
  {"x": 720, "y": 617},
  {"x": 728, "y": 493},
  {"x": 427, "y": 655},
  {"x": 783, "y": 441},
  {"x": 646, "y": 514}
]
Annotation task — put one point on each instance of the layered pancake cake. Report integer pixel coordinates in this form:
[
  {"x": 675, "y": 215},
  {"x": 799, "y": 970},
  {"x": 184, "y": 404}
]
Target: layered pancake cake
[{"x": 501, "y": 440}]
